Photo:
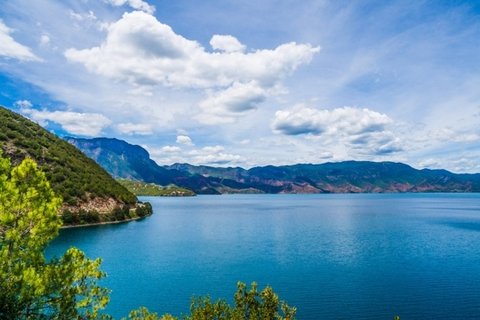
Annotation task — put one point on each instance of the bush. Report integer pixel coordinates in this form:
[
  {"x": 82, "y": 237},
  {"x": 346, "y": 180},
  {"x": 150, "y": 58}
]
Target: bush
[
  {"x": 70, "y": 218},
  {"x": 143, "y": 209},
  {"x": 91, "y": 216},
  {"x": 121, "y": 213}
]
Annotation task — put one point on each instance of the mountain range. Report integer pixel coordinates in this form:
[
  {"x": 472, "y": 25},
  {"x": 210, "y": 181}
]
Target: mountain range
[{"x": 127, "y": 161}]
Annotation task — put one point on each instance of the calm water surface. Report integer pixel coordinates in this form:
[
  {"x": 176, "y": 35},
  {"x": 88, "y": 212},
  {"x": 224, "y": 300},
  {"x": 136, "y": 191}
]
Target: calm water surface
[{"x": 367, "y": 256}]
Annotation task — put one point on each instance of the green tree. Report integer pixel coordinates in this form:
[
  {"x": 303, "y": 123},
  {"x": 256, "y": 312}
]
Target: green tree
[
  {"x": 30, "y": 286},
  {"x": 249, "y": 305}
]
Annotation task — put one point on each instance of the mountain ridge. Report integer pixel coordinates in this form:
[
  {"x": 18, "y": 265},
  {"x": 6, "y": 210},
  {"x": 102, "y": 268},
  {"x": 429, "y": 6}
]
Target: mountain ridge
[{"x": 331, "y": 177}]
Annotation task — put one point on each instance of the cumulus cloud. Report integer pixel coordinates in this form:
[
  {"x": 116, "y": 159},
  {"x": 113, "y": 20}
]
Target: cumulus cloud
[
  {"x": 226, "y": 43},
  {"x": 377, "y": 143},
  {"x": 85, "y": 124},
  {"x": 143, "y": 52},
  {"x": 345, "y": 120},
  {"x": 226, "y": 105},
  {"x": 135, "y": 128},
  {"x": 185, "y": 140},
  {"x": 363, "y": 130},
  {"x": 135, "y": 4},
  {"x": 11, "y": 49}
]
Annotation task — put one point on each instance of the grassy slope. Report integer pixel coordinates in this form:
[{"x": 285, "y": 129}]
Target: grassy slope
[{"x": 150, "y": 189}]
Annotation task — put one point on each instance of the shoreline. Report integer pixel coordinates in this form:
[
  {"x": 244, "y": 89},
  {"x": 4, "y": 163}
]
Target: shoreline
[{"x": 103, "y": 223}]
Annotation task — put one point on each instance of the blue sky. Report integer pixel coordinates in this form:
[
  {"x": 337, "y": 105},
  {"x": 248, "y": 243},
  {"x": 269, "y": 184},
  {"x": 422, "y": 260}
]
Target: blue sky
[{"x": 252, "y": 82}]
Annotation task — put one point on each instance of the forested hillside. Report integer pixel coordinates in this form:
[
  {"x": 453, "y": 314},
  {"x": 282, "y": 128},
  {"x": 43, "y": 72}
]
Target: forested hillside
[{"x": 89, "y": 193}]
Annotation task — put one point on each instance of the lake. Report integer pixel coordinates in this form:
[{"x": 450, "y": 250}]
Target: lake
[{"x": 333, "y": 256}]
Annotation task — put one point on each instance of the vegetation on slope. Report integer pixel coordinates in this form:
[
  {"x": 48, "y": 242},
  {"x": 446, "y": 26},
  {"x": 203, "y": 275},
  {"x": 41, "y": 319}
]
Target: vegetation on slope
[
  {"x": 151, "y": 189},
  {"x": 85, "y": 187}
]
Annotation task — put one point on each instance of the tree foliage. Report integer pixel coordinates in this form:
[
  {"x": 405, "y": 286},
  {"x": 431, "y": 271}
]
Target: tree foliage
[
  {"x": 30, "y": 286},
  {"x": 249, "y": 305}
]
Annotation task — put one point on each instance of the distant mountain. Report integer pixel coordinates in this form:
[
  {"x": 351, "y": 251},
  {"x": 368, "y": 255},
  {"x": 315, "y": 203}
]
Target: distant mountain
[
  {"x": 90, "y": 194},
  {"x": 127, "y": 161},
  {"x": 123, "y": 160},
  {"x": 342, "y": 177}
]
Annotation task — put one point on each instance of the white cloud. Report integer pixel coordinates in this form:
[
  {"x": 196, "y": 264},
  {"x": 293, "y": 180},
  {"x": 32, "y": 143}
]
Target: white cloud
[
  {"x": 455, "y": 135},
  {"x": 218, "y": 159},
  {"x": 208, "y": 155},
  {"x": 225, "y": 106},
  {"x": 363, "y": 131},
  {"x": 463, "y": 162},
  {"x": 170, "y": 149},
  {"x": 44, "y": 40},
  {"x": 135, "y": 4},
  {"x": 345, "y": 120},
  {"x": 376, "y": 143},
  {"x": 135, "y": 128},
  {"x": 185, "y": 140},
  {"x": 145, "y": 53},
  {"x": 214, "y": 155},
  {"x": 11, "y": 49},
  {"x": 85, "y": 124},
  {"x": 226, "y": 43}
]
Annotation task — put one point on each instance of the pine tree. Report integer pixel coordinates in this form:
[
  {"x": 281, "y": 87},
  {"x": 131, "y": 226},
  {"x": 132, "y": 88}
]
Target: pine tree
[{"x": 30, "y": 286}]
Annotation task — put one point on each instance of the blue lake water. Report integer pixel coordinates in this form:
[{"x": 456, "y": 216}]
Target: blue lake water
[{"x": 337, "y": 256}]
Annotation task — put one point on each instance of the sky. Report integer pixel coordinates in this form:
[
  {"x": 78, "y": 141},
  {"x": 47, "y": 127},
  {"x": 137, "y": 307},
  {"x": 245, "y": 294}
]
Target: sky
[{"x": 249, "y": 83}]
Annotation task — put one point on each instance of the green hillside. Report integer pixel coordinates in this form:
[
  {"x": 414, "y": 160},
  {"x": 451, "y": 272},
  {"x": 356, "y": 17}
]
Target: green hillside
[
  {"x": 150, "y": 189},
  {"x": 90, "y": 194}
]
